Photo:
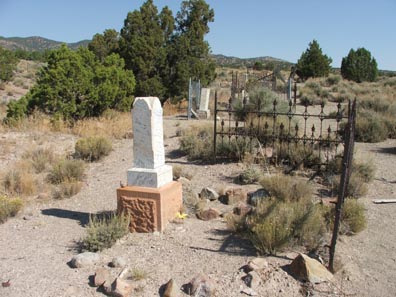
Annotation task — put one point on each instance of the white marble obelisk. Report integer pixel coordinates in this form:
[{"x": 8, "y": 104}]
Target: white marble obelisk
[{"x": 149, "y": 169}]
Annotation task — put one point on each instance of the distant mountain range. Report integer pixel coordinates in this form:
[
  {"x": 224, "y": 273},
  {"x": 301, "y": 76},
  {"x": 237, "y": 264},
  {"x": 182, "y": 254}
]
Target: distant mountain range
[{"x": 37, "y": 43}]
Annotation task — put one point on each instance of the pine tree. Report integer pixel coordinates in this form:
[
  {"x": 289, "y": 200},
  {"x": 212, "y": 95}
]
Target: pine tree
[
  {"x": 142, "y": 47},
  {"x": 313, "y": 63},
  {"x": 104, "y": 44},
  {"x": 359, "y": 66}
]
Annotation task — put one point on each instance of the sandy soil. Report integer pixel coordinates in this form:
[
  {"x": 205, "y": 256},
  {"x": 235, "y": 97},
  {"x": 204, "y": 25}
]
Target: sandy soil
[{"x": 36, "y": 245}]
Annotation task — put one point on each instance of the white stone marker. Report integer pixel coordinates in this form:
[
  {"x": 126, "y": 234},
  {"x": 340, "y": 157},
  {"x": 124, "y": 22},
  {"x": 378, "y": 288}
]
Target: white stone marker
[
  {"x": 204, "y": 102},
  {"x": 149, "y": 169}
]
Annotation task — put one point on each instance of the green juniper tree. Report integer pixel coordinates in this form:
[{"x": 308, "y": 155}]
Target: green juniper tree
[
  {"x": 313, "y": 63},
  {"x": 359, "y": 66}
]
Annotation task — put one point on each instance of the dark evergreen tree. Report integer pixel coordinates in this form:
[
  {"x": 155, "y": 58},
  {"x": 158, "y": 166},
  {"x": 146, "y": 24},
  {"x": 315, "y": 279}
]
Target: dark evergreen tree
[
  {"x": 104, "y": 44},
  {"x": 189, "y": 52},
  {"x": 142, "y": 47},
  {"x": 75, "y": 85},
  {"x": 359, "y": 66},
  {"x": 313, "y": 63}
]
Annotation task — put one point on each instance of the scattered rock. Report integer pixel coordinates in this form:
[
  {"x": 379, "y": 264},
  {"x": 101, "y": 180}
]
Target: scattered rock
[
  {"x": 257, "y": 264},
  {"x": 84, "y": 259},
  {"x": 171, "y": 289},
  {"x": 208, "y": 214},
  {"x": 252, "y": 279},
  {"x": 209, "y": 193},
  {"x": 43, "y": 196},
  {"x": 101, "y": 276},
  {"x": 242, "y": 209},
  {"x": 118, "y": 262},
  {"x": 121, "y": 288},
  {"x": 305, "y": 268},
  {"x": 256, "y": 196},
  {"x": 201, "y": 286},
  {"x": 249, "y": 292},
  {"x": 233, "y": 196}
]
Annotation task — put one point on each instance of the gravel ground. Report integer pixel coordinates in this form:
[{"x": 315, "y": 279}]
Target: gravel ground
[{"x": 36, "y": 245}]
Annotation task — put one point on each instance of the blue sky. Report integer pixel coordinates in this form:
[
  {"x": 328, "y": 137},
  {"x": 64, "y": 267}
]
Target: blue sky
[{"x": 250, "y": 28}]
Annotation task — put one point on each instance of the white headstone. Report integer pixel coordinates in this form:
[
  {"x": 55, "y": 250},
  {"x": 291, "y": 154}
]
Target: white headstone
[
  {"x": 204, "y": 101},
  {"x": 148, "y": 145}
]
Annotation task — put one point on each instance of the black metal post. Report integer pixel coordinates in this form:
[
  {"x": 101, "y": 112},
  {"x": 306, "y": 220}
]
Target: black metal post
[{"x": 346, "y": 172}]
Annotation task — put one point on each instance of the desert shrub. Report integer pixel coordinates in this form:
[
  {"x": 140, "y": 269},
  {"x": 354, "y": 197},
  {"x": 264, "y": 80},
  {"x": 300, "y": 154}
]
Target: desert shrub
[
  {"x": 286, "y": 188},
  {"x": 177, "y": 171},
  {"x": 92, "y": 148},
  {"x": 353, "y": 216},
  {"x": 333, "y": 79},
  {"x": 39, "y": 158},
  {"x": 365, "y": 170},
  {"x": 197, "y": 143},
  {"x": 67, "y": 189},
  {"x": 298, "y": 156},
  {"x": 276, "y": 224},
  {"x": 16, "y": 182},
  {"x": 250, "y": 175},
  {"x": 370, "y": 128},
  {"x": 66, "y": 171},
  {"x": 357, "y": 186},
  {"x": 9, "y": 207},
  {"x": 103, "y": 232}
]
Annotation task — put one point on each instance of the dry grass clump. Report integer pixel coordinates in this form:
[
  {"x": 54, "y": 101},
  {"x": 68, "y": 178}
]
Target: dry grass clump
[
  {"x": 67, "y": 189},
  {"x": 250, "y": 175},
  {"x": 286, "y": 188},
  {"x": 66, "y": 171},
  {"x": 92, "y": 148},
  {"x": 197, "y": 143},
  {"x": 40, "y": 159},
  {"x": 9, "y": 207},
  {"x": 353, "y": 217},
  {"x": 103, "y": 232},
  {"x": 17, "y": 182}
]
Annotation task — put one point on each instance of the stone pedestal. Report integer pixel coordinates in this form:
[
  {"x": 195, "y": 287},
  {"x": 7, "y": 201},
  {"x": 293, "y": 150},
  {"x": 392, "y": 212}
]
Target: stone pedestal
[
  {"x": 150, "y": 209},
  {"x": 152, "y": 178}
]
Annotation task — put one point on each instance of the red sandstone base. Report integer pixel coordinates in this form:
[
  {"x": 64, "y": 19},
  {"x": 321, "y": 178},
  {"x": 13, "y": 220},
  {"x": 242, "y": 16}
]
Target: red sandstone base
[{"x": 150, "y": 209}]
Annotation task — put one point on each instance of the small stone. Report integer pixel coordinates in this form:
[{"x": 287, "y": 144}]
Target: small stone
[
  {"x": 101, "y": 276},
  {"x": 257, "y": 264},
  {"x": 118, "y": 262},
  {"x": 208, "y": 214},
  {"x": 120, "y": 288},
  {"x": 305, "y": 268},
  {"x": 171, "y": 289},
  {"x": 252, "y": 279},
  {"x": 209, "y": 193},
  {"x": 84, "y": 259},
  {"x": 202, "y": 286}
]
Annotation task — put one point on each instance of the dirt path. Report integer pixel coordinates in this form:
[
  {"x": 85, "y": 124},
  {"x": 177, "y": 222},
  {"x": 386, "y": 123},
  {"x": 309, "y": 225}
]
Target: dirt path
[{"x": 36, "y": 246}]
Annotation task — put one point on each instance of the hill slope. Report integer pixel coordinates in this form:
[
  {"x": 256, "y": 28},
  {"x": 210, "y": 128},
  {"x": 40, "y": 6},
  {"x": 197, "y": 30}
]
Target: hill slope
[{"x": 36, "y": 43}]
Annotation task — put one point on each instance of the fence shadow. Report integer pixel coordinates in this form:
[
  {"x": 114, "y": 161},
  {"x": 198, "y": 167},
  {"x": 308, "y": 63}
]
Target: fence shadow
[{"x": 81, "y": 217}]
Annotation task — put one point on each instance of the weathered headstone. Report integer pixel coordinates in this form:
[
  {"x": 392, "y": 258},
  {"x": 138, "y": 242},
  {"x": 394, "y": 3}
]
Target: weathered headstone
[
  {"x": 204, "y": 111},
  {"x": 151, "y": 197},
  {"x": 148, "y": 145}
]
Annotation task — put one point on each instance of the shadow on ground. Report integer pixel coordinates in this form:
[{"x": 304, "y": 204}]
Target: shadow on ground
[
  {"x": 386, "y": 150},
  {"x": 231, "y": 244},
  {"x": 81, "y": 217}
]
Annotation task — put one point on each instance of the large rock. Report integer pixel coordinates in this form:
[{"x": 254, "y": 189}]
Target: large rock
[
  {"x": 101, "y": 276},
  {"x": 121, "y": 288},
  {"x": 84, "y": 260},
  {"x": 257, "y": 264},
  {"x": 118, "y": 262},
  {"x": 233, "y": 196},
  {"x": 208, "y": 214},
  {"x": 305, "y": 268},
  {"x": 252, "y": 279},
  {"x": 255, "y": 197},
  {"x": 209, "y": 193},
  {"x": 171, "y": 289},
  {"x": 201, "y": 286}
]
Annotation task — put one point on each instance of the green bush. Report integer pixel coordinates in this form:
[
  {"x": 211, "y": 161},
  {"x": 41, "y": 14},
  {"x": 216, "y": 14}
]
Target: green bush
[
  {"x": 333, "y": 79},
  {"x": 197, "y": 143},
  {"x": 275, "y": 225},
  {"x": 66, "y": 171},
  {"x": 103, "y": 232},
  {"x": 250, "y": 175},
  {"x": 353, "y": 217},
  {"x": 357, "y": 186},
  {"x": 92, "y": 148},
  {"x": 286, "y": 188},
  {"x": 9, "y": 207},
  {"x": 370, "y": 128}
]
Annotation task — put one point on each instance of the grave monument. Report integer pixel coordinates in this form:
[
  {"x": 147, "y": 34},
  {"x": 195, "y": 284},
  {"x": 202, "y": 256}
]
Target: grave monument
[
  {"x": 204, "y": 111},
  {"x": 151, "y": 197}
]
